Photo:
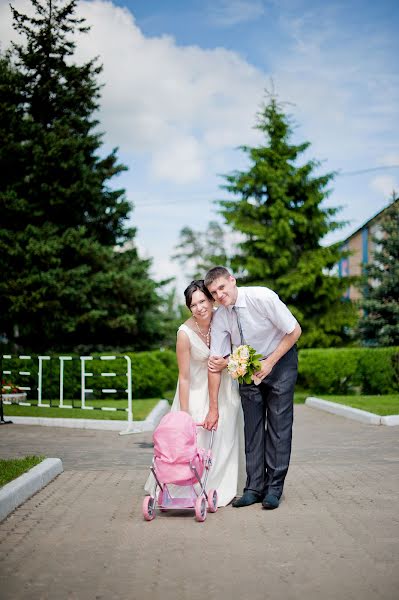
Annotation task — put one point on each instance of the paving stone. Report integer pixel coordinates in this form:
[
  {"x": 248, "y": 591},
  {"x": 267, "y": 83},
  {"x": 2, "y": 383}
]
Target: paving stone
[{"x": 335, "y": 535}]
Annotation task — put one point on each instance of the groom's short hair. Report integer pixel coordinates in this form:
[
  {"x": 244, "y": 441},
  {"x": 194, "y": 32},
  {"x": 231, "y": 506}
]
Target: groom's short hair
[{"x": 214, "y": 274}]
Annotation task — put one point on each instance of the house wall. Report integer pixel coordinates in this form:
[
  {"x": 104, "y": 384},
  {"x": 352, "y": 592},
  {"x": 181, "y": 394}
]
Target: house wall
[
  {"x": 355, "y": 247},
  {"x": 362, "y": 247}
]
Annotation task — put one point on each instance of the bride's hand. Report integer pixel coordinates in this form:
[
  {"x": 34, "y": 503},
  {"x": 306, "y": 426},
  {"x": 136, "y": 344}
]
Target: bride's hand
[{"x": 211, "y": 420}]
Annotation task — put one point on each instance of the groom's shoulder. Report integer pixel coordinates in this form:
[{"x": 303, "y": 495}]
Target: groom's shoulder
[
  {"x": 257, "y": 291},
  {"x": 219, "y": 314}
]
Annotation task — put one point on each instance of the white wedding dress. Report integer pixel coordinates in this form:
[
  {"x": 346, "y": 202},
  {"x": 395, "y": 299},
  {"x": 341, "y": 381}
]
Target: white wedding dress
[{"x": 228, "y": 438}]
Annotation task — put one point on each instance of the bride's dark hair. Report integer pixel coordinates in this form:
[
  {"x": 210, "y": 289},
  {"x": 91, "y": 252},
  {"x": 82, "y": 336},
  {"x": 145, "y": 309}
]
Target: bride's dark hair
[{"x": 197, "y": 284}]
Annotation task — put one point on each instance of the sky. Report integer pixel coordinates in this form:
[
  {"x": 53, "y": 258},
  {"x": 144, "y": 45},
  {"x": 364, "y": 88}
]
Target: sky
[{"x": 184, "y": 80}]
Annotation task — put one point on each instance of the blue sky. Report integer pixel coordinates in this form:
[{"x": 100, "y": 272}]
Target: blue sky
[{"x": 184, "y": 80}]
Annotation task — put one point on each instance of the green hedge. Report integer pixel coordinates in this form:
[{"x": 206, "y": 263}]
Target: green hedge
[
  {"x": 153, "y": 373},
  {"x": 348, "y": 370},
  {"x": 333, "y": 371}
]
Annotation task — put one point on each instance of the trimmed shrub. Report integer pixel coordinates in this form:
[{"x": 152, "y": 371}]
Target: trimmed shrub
[
  {"x": 349, "y": 370},
  {"x": 379, "y": 370},
  {"x": 153, "y": 373},
  {"x": 168, "y": 358},
  {"x": 329, "y": 370}
]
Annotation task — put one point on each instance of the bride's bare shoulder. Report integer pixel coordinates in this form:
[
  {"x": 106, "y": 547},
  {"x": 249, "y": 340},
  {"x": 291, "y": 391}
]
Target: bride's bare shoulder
[
  {"x": 183, "y": 329},
  {"x": 188, "y": 324}
]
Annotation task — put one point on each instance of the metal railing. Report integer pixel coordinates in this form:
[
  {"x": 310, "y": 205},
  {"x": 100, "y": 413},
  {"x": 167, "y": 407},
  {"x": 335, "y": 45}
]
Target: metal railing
[{"x": 30, "y": 369}]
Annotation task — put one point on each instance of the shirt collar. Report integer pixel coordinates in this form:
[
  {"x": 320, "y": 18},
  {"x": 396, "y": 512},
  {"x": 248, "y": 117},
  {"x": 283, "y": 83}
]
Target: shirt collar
[{"x": 241, "y": 301}]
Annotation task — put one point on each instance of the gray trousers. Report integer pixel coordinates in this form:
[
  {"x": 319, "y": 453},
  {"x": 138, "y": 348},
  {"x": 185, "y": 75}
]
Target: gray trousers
[{"x": 268, "y": 417}]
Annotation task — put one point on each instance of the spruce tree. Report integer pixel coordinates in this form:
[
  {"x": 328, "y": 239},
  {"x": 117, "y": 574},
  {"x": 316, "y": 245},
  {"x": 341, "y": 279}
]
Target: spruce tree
[
  {"x": 62, "y": 222},
  {"x": 278, "y": 207},
  {"x": 198, "y": 251},
  {"x": 379, "y": 325}
]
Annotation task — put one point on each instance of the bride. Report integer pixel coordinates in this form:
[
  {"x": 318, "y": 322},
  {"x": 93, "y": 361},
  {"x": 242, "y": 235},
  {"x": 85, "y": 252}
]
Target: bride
[{"x": 192, "y": 349}]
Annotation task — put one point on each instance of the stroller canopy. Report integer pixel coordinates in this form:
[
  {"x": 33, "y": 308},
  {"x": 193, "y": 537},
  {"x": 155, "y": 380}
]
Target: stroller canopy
[{"x": 175, "y": 438}]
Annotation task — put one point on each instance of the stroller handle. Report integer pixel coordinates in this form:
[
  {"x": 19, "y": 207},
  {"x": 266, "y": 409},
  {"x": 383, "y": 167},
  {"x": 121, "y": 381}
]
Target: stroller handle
[
  {"x": 212, "y": 432},
  {"x": 202, "y": 425}
]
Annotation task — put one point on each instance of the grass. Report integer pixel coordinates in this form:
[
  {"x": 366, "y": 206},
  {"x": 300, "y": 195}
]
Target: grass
[
  {"x": 14, "y": 467},
  {"x": 141, "y": 409},
  {"x": 300, "y": 396},
  {"x": 387, "y": 404},
  {"x": 379, "y": 405}
]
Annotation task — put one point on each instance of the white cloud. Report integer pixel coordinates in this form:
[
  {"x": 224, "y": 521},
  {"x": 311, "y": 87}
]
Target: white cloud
[
  {"x": 7, "y": 34},
  {"x": 179, "y": 105},
  {"x": 179, "y": 161},
  {"x": 385, "y": 185},
  {"x": 226, "y": 13}
]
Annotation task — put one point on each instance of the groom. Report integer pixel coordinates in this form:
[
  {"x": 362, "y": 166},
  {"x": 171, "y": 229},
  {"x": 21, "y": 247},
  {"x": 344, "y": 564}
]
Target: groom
[{"x": 257, "y": 317}]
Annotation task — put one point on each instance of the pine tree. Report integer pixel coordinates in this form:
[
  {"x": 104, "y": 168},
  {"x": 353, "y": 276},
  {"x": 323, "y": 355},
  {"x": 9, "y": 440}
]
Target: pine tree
[
  {"x": 379, "y": 325},
  {"x": 66, "y": 285},
  {"x": 12, "y": 207},
  {"x": 198, "y": 251},
  {"x": 278, "y": 209}
]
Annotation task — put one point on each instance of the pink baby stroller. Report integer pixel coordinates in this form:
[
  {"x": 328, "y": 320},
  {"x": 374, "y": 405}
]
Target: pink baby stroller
[{"x": 177, "y": 460}]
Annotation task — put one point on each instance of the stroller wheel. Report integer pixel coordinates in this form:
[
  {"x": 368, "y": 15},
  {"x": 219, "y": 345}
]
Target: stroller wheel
[
  {"x": 200, "y": 509},
  {"x": 149, "y": 508},
  {"x": 212, "y": 501}
]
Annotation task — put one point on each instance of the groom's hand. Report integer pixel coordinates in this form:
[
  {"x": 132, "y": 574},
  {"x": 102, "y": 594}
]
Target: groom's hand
[
  {"x": 266, "y": 368},
  {"x": 217, "y": 364}
]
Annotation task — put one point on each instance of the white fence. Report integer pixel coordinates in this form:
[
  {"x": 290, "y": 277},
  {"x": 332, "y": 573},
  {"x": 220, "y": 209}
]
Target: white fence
[{"x": 25, "y": 370}]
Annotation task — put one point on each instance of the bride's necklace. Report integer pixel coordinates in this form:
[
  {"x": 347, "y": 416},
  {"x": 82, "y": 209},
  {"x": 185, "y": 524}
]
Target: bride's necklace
[{"x": 206, "y": 335}]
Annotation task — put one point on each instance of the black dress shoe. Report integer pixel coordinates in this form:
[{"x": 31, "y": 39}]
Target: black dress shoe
[
  {"x": 270, "y": 502},
  {"x": 247, "y": 499}
]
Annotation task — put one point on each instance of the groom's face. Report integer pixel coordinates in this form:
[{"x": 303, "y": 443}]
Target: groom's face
[{"x": 224, "y": 290}]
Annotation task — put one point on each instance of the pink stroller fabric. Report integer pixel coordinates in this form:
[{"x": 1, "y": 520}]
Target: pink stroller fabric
[{"x": 175, "y": 449}]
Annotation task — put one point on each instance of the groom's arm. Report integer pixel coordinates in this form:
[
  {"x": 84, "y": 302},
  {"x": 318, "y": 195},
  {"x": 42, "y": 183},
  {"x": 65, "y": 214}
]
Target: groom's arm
[
  {"x": 220, "y": 342},
  {"x": 286, "y": 344}
]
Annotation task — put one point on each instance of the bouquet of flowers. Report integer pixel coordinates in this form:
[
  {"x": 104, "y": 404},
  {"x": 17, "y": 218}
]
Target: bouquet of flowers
[{"x": 243, "y": 364}]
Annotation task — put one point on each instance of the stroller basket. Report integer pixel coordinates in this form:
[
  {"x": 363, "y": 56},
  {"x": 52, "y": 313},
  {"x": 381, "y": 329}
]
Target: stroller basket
[
  {"x": 179, "y": 473},
  {"x": 178, "y": 461}
]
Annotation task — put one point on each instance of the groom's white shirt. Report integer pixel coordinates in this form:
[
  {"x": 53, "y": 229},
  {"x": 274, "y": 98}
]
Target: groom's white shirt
[{"x": 264, "y": 319}]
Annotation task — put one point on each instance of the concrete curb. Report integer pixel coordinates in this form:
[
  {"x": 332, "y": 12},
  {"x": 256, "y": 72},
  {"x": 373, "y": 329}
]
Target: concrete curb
[
  {"x": 390, "y": 420},
  {"x": 161, "y": 409},
  {"x": 137, "y": 426},
  {"x": 16, "y": 492},
  {"x": 151, "y": 421},
  {"x": 351, "y": 413}
]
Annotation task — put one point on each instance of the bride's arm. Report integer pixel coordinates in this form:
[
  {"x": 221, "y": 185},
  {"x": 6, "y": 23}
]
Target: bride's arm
[
  {"x": 212, "y": 418},
  {"x": 183, "y": 362}
]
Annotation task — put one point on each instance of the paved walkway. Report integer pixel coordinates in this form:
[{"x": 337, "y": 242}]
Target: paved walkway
[{"x": 335, "y": 536}]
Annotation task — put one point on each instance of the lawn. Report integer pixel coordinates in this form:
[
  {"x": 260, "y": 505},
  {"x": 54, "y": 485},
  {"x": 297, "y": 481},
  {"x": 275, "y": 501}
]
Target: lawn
[
  {"x": 14, "y": 467},
  {"x": 379, "y": 405},
  {"x": 299, "y": 398},
  {"x": 141, "y": 408}
]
